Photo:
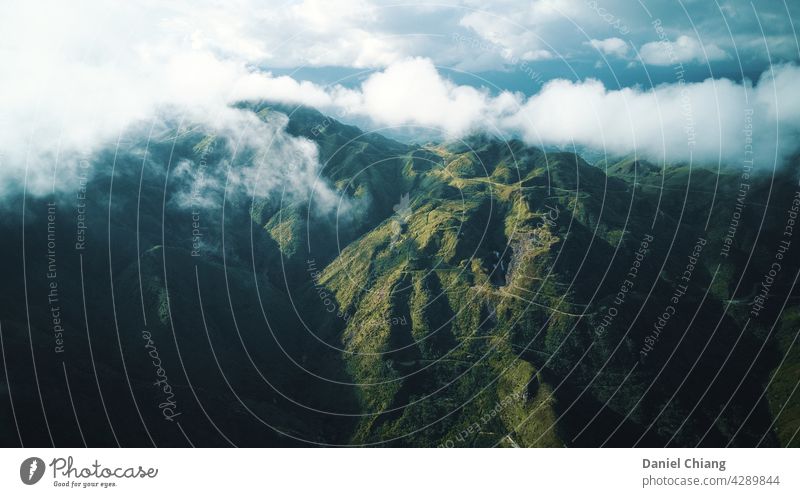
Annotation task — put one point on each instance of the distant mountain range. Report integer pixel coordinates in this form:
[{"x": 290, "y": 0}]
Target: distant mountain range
[{"x": 477, "y": 292}]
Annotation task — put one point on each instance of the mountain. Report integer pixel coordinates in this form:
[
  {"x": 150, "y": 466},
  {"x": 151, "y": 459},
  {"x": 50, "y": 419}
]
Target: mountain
[{"x": 478, "y": 292}]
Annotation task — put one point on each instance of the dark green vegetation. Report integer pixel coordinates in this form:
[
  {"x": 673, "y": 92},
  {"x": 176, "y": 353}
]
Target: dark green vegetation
[{"x": 473, "y": 293}]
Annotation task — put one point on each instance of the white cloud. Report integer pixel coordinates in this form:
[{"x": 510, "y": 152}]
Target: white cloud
[
  {"x": 74, "y": 79},
  {"x": 515, "y": 42},
  {"x": 73, "y": 83},
  {"x": 677, "y": 122},
  {"x": 281, "y": 163},
  {"x": 616, "y": 47},
  {"x": 412, "y": 91},
  {"x": 683, "y": 50}
]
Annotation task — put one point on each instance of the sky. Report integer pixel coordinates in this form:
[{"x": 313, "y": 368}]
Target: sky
[{"x": 669, "y": 80}]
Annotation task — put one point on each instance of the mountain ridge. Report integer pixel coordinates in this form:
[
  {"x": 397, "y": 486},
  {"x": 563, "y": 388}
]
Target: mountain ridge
[{"x": 460, "y": 294}]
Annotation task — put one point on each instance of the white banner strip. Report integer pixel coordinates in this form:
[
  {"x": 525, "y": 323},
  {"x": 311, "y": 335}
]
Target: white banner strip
[{"x": 399, "y": 472}]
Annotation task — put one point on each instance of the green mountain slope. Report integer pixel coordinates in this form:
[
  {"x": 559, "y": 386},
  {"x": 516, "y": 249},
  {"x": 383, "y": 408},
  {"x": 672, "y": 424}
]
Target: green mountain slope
[{"x": 469, "y": 293}]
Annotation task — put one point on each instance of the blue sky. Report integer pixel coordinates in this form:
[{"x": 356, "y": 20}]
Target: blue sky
[
  {"x": 506, "y": 42},
  {"x": 669, "y": 80}
]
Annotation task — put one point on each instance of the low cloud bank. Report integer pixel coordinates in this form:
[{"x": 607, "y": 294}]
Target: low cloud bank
[
  {"x": 72, "y": 88},
  {"x": 713, "y": 121}
]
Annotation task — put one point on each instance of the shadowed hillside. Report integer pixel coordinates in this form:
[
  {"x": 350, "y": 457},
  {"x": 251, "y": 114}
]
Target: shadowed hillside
[{"x": 470, "y": 293}]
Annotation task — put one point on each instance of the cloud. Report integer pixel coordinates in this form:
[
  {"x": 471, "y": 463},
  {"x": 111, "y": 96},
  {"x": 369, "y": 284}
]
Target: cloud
[
  {"x": 409, "y": 92},
  {"x": 412, "y": 91},
  {"x": 269, "y": 162},
  {"x": 75, "y": 79},
  {"x": 515, "y": 42},
  {"x": 616, "y": 47},
  {"x": 680, "y": 122},
  {"x": 674, "y": 122},
  {"x": 75, "y": 84},
  {"x": 683, "y": 50}
]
